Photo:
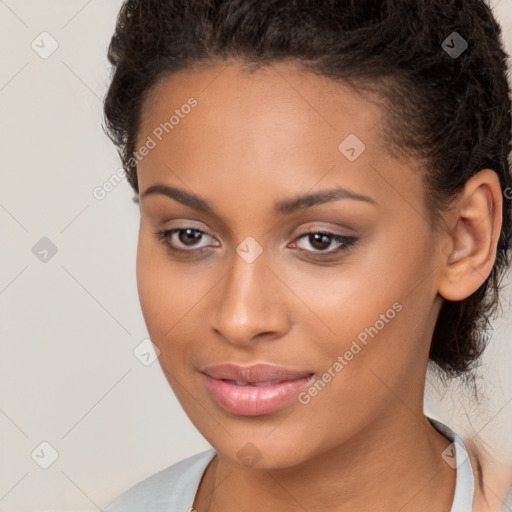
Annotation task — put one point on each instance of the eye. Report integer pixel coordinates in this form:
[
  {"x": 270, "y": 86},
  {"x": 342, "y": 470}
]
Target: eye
[
  {"x": 185, "y": 237},
  {"x": 185, "y": 240},
  {"x": 322, "y": 240}
]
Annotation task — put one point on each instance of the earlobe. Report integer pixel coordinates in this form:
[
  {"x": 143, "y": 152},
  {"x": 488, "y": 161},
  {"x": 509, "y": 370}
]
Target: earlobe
[{"x": 474, "y": 228}]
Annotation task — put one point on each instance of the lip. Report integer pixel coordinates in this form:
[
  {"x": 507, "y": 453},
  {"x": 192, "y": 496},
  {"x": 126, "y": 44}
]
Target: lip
[
  {"x": 254, "y": 373},
  {"x": 249, "y": 400}
]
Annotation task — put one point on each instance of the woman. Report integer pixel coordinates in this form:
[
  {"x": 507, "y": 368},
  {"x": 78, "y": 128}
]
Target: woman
[{"x": 322, "y": 188}]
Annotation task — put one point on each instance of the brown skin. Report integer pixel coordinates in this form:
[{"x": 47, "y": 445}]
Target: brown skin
[{"x": 363, "y": 443}]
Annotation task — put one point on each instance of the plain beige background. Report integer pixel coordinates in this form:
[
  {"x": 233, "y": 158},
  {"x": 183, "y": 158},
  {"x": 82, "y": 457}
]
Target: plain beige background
[{"x": 70, "y": 321}]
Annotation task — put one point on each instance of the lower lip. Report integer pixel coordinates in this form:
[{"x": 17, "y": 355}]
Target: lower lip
[{"x": 253, "y": 400}]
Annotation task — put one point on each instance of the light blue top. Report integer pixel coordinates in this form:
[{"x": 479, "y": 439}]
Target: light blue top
[{"x": 173, "y": 489}]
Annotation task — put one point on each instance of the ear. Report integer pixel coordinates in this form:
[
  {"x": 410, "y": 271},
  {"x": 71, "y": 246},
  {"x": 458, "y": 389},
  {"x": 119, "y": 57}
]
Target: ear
[{"x": 473, "y": 230}]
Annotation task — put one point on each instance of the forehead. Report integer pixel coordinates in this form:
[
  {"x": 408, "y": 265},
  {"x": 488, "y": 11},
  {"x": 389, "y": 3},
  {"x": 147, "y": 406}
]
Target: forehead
[
  {"x": 275, "y": 95},
  {"x": 280, "y": 125}
]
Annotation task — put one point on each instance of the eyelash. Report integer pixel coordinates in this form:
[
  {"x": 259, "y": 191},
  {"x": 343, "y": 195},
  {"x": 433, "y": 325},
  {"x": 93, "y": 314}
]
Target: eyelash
[{"x": 348, "y": 242}]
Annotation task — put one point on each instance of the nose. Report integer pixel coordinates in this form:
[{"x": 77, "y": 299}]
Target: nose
[{"x": 250, "y": 303}]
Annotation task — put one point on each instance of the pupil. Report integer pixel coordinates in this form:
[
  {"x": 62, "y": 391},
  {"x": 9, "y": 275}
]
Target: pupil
[
  {"x": 189, "y": 234},
  {"x": 317, "y": 239}
]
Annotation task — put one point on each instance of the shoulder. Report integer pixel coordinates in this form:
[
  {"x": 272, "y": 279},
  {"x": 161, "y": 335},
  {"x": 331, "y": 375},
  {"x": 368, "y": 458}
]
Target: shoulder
[
  {"x": 492, "y": 481},
  {"x": 175, "y": 485},
  {"x": 493, "y": 484},
  {"x": 493, "y": 489}
]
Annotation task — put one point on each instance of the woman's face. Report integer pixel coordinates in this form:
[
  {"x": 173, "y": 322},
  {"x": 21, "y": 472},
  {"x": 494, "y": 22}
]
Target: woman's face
[{"x": 248, "y": 288}]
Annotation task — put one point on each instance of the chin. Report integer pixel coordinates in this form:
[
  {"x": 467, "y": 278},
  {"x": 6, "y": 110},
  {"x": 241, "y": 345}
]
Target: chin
[{"x": 262, "y": 454}]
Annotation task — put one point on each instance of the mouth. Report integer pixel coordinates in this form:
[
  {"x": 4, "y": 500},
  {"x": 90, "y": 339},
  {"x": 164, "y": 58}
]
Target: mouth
[{"x": 255, "y": 395}]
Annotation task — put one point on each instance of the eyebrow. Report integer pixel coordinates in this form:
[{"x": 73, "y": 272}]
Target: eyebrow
[{"x": 283, "y": 207}]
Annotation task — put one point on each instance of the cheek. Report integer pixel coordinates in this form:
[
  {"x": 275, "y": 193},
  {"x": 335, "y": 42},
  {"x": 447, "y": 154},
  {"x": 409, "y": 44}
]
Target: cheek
[
  {"x": 160, "y": 299},
  {"x": 371, "y": 314},
  {"x": 170, "y": 293},
  {"x": 161, "y": 305},
  {"x": 148, "y": 284}
]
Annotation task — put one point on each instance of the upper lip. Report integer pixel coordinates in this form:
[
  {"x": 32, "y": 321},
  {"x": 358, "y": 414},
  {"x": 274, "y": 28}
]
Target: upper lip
[{"x": 255, "y": 373}]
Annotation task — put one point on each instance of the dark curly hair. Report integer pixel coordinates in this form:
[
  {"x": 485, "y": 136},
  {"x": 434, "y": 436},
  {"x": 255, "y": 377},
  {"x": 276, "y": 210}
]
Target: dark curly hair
[{"x": 450, "y": 111}]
